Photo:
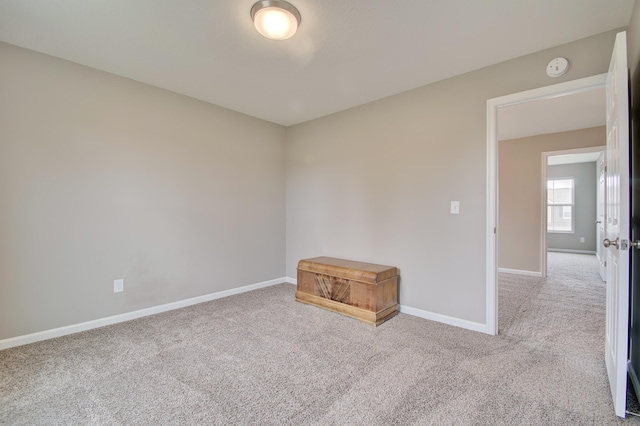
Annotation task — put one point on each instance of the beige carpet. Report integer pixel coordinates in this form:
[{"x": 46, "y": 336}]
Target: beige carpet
[{"x": 261, "y": 358}]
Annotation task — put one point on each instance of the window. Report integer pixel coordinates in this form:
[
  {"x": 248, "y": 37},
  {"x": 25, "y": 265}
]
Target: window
[{"x": 560, "y": 205}]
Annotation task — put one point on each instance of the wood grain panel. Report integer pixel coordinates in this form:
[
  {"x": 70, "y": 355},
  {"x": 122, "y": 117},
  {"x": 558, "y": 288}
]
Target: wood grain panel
[{"x": 353, "y": 270}]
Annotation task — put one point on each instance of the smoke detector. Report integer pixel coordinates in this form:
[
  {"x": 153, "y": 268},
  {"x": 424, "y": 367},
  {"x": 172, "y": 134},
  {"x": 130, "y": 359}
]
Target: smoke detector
[{"x": 557, "y": 67}]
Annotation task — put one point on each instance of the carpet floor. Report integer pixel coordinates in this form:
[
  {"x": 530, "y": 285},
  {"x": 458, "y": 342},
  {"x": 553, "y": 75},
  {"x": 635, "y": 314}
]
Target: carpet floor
[{"x": 261, "y": 358}]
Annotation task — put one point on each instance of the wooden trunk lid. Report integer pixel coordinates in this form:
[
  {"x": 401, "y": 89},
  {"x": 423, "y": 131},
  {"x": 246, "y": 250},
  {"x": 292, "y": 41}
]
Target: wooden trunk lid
[{"x": 349, "y": 269}]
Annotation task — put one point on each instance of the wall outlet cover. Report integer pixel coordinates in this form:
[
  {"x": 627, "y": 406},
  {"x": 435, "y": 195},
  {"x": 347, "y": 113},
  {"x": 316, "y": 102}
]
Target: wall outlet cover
[{"x": 118, "y": 286}]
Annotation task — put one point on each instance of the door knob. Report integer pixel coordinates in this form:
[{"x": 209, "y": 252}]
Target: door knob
[{"x": 607, "y": 243}]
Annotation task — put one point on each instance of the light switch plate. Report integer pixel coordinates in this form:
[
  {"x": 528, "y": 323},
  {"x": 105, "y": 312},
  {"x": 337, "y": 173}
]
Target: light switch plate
[
  {"x": 118, "y": 286},
  {"x": 455, "y": 207}
]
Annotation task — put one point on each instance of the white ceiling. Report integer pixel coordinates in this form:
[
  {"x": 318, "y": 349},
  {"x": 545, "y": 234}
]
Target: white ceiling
[
  {"x": 346, "y": 53},
  {"x": 559, "y": 114},
  {"x": 585, "y": 157}
]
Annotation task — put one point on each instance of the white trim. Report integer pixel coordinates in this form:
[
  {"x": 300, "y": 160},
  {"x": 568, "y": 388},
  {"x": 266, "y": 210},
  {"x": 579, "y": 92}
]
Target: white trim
[
  {"x": 585, "y": 150},
  {"x": 572, "y": 251},
  {"x": 543, "y": 216},
  {"x": 457, "y": 322},
  {"x": 469, "y": 325},
  {"x": 101, "y": 322},
  {"x": 520, "y": 272},
  {"x": 547, "y": 92},
  {"x": 491, "y": 279}
]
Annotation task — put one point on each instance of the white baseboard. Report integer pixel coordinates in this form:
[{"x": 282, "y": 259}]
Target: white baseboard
[
  {"x": 571, "y": 251},
  {"x": 520, "y": 272},
  {"x": 101, "y": 322},
  {"x": 469, "y": 325},
  {"x": 76, "y": 328}
]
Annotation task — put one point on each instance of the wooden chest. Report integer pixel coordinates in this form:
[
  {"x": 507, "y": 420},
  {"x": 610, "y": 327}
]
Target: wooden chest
[{"x": 360, "y": 290}]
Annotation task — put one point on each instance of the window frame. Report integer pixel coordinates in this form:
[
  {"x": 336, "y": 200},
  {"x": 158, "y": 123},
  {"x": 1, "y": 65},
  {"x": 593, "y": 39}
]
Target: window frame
[{"x": 572, "y": 205}]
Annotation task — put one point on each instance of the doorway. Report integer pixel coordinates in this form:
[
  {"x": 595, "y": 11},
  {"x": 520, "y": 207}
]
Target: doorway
[
  {"x": 494, "y": 106},
  {"x": 573, "y": 204},
  {"x": 618, "y": 220}
]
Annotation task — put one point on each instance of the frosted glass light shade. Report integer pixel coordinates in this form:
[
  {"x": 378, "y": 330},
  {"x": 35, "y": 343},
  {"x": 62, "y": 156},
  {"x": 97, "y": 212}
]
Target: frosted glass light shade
[{"x": 277, "y": 20}]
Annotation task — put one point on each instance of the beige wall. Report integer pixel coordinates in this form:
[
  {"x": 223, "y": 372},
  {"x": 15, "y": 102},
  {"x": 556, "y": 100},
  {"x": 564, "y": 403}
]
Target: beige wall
[
  {"x": 103, "y": 178},
  {"x": 520, "y": 193},
  {"x": 374, "y": 183}
]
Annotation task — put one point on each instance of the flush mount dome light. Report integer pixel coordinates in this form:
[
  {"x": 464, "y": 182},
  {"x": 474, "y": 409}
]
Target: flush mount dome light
[{"x": 275, "y": 19}]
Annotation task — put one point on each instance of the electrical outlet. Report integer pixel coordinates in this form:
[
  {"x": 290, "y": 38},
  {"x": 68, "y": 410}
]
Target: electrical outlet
[
  {"x": 118, "y": 286},
  {"x": 582, "y": 239}
]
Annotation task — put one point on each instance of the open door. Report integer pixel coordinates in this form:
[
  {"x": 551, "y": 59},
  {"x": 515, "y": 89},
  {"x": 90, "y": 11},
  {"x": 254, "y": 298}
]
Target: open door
[
  {"x": 617, "y": 227},
  {"x": 600, "y": 208},
  {"x": 634, "y": 306}
]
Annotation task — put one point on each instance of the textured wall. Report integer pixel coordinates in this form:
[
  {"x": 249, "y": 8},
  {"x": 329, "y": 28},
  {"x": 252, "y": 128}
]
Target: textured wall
[
  {"x": 104, "y": 178},
  {"x": 374, "y": 183}
]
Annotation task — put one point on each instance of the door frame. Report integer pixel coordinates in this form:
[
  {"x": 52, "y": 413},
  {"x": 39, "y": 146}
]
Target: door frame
[
  {"x": 543, "y": 192},
  {"x": 493, "y": 105}
]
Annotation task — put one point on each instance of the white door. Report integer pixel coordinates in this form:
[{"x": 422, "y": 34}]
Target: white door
[
  {"x": 617, "y": 224},
  {"x": 600, "y": 206}
]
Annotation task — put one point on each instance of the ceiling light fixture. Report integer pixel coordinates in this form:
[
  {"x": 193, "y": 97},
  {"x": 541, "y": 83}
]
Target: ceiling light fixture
[{"x": 275, "y": 19}]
